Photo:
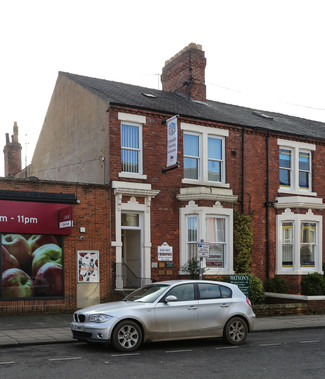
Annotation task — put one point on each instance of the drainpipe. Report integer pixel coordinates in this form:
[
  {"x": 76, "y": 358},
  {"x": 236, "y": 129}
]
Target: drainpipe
[
  {"x": 242, "y": 169},
  {"x": 267, "y": 266}
]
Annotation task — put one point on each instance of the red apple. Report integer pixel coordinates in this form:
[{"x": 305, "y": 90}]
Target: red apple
[
  {"x": 16, "y": 283},
  {"x": 8, "y": 260},
  {"x": 44, "y": 254},
  {"x": 17, "y": 245},
  {"x": 49, "y": 280},
  {"x": 37, "y": 240}
]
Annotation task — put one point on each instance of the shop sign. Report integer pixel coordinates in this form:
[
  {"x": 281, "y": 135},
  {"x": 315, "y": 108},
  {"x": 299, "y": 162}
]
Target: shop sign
[
  {"x": 165, "y": 252},
  {"x": 242, "y": 282},
  {"x": 33, "y": 218},
  {"x": 65, "y": 217}
]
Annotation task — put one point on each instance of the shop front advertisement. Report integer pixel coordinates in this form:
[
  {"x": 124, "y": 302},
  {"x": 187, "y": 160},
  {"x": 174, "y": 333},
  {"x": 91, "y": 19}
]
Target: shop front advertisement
[{"x": 31, "y": 238}]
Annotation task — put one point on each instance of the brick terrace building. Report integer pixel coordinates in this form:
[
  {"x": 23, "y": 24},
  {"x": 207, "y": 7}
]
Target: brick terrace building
[{"x": 159, "y": 204}]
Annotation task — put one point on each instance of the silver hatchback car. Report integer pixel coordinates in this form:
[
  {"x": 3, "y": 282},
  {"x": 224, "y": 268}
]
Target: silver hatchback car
[{"x": 171, "y": 310}]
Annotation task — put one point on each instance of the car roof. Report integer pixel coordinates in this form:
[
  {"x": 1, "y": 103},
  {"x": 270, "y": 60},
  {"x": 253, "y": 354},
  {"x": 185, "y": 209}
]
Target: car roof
[{"x": 184, "y": 281}]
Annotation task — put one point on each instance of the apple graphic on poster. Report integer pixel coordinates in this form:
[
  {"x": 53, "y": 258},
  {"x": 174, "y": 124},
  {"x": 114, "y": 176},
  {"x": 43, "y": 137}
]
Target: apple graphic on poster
[
  {"x": 16, "y": 283},
  {"x": 37, "y": 240},
  {"x": 18, "y": 246},
  {"x": 49, "y": 280},
  {"x": 46, "y": 253},
  {"x": 8, "y": 260}
]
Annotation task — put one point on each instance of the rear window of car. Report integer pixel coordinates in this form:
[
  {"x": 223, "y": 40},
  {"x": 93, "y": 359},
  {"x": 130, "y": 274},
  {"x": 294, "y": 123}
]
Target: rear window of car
[{"x": 213, "y": 291}]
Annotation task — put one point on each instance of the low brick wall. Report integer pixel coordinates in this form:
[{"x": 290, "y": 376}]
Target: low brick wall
[{"x": 286, "y": 304}]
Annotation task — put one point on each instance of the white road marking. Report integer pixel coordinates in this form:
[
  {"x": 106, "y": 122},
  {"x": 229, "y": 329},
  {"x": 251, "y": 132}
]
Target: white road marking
[
  {"x": 178, "y": 351},
  {"x": 270, "y": 344},
  {"x": 7, "y": 363},
  {"x": 64, "y": 359},
  {"x": 124, "y": 355},
  {"x": 315, "y": 341},
  {"x": 227, "y": 347}
]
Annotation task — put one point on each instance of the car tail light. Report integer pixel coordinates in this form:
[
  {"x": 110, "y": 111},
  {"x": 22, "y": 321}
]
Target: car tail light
[{"x": 248, "y": 302}]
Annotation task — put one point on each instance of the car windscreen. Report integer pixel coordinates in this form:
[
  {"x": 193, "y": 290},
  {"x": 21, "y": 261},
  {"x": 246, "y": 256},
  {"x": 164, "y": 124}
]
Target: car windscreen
[{"x": 147, "y": 294}]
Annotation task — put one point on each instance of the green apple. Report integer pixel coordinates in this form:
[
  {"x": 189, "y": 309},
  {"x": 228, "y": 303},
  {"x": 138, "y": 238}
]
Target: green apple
[
  {"x": 37, "y": 240},
  {"x": 46, "y": 253},
  {"x": 18, "y": 246},
  {"x": 16, "y": 283}
]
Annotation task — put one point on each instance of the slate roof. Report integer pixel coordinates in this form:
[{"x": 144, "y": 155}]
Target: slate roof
[{"x": 172, "y": 103}]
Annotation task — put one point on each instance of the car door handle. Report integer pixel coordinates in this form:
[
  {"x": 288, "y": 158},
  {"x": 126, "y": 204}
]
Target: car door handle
[
  {"x": 224, "y": 305},
  {"x": 192, "y": 308}
]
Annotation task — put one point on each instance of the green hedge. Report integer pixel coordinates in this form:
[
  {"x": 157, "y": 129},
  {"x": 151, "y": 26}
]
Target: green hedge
[{"x": 313, "y": 285}]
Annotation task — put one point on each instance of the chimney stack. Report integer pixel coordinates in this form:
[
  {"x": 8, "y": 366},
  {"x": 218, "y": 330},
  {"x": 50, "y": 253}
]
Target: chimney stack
[
  {"x": 185, "y": 73},
  {"x": 12, "y": 153}
]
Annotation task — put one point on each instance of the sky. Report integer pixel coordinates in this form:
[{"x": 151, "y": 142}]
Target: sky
[{"x": 262, "y": 54}]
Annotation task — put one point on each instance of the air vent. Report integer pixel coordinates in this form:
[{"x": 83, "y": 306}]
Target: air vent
[
  {"x": 262, "y": 115},
  {"x": 148, "y": 95}
]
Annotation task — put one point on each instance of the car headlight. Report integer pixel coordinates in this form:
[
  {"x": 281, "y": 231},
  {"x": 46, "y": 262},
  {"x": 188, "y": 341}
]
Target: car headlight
[{"x": 99, "y": 318}]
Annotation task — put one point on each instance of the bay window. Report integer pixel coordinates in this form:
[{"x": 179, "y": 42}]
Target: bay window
[
  {"x": 299, "y": 243},
  {"x": 208, "y": 224}
]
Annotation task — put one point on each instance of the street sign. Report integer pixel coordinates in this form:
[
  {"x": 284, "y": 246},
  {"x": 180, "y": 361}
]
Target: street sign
[{"x": 203, "y": 249}]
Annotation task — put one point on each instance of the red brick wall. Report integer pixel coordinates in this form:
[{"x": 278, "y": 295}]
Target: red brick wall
[{"x": 93, "y": 213}]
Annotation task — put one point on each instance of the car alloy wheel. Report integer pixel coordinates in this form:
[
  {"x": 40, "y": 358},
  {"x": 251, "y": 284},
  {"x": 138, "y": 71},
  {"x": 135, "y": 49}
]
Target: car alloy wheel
[
  {"x": 127, "y": 336},
  {"x": 236, "y": 331}
]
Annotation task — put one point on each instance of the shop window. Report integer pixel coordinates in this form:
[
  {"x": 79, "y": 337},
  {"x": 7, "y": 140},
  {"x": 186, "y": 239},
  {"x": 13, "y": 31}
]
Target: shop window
[{"x": 31, "y": 266}]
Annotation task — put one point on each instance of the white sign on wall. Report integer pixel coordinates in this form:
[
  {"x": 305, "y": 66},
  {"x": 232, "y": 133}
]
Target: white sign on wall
[
  {"x": 165, "y": 252},
  {"x": 171, "y": 141}
]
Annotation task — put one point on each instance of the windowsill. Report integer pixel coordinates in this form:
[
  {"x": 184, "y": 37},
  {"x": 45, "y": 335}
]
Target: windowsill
[
  {"x": 296, "y": 192},
  {"x": 299, "y": 272},
  {"x": 201, "y": 183},
  {"x": 130, "y": 175}
]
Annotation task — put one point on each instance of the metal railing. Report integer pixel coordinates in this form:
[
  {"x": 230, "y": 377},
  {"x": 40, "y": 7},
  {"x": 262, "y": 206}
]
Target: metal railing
[{"x": 129, "y": 278}]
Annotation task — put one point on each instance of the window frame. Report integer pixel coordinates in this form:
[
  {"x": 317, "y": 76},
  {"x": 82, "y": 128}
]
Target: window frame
[
  {"x": 204, "y": 133},
  {"x": 217, "y": 211},
  {"x": 198, "y": 158},
  {"x": 137, "y": 121},
  {"x": 138, "y": 149},
  {"x": 297, "y": 221},
  {"x": 296, "y": 148}
]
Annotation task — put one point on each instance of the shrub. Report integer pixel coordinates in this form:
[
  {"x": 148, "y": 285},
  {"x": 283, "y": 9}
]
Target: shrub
[
  {"x": 256, "y": 290},
  {"x": 243, "y": 241},
  {"x": 277, "y": 285},
  {"x": 313, "y": 284},
  {"x": 192, "y": 267}
]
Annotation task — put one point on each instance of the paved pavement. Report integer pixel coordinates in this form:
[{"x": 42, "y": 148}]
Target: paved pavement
[{"x": 19, "y": 330}]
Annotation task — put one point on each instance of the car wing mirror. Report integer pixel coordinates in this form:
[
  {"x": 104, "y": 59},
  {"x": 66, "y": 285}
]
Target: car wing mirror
[{"x": 170, "y": 298}]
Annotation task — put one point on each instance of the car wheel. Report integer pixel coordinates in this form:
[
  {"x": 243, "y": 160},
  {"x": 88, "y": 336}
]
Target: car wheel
[
  {"x": 127, "y": 336},
  {"x": 236, "y": 331}
]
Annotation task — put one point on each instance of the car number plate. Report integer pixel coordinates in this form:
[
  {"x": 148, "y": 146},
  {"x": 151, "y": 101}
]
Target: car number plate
[{"x": 78, "y": 328}]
